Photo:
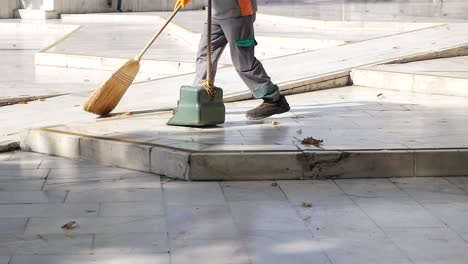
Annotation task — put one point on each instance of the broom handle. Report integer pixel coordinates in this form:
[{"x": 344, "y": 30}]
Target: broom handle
[
  {"x": 138, "y": 58},
  {"x": 209, "y": 22}
]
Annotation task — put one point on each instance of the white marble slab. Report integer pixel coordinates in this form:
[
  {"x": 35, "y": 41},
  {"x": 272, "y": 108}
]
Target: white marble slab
[
  {"x": 96, "y": 225},
  {"x": 45, "y": 244},
  {"x": 131, "y": 243},
  {"x": 48, "y": 210},
  {"x": 113, "y": 195},
  {"x": 284, "y": 247},
  {"x": 199, "y": 251},
  {"x": 12, "y": 225},
  {"x": 88, "y": 259},
  {"x": 32, "y": 197}
]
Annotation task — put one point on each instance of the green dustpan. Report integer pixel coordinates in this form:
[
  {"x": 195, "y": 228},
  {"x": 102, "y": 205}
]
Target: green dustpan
[{"x": 196, "y": 107}]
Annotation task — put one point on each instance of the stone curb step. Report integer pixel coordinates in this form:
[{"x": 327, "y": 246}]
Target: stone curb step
[
  {"x": 9, "y": 143},
  {"x": 111, "y": 64},
  {"x": 36, "y": 14},
  {"x": 410, "y": 82},
  {"x": 189, "y": 164}
]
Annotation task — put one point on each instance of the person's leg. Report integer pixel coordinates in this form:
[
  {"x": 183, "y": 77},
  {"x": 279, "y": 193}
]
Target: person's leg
[
  {"x": 218, "y": 42},
  {"x": 109, "y": 3},
  {"x": 240, "y": 35},
  {"x": 119, "y": 5}
]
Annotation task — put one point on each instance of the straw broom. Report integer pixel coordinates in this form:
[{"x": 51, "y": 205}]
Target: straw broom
[{"x": 106, "y": 98}]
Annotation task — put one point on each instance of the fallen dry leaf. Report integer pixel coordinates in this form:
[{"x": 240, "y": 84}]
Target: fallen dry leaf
[
  {"x": 23, "y": 102},
  {"x": 70, "y": 225},
  {"x": 312, "y": 141},
  {"x": 274, "y": 184},
  {"x": 275, "y": 123},
  {"x": 379, "y": 95},
  {"x": 299, "y": 132},
  {"x": 306, "y": 205}
]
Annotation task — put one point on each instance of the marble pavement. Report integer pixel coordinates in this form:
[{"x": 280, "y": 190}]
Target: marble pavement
[{"x": 130, "y": 217}]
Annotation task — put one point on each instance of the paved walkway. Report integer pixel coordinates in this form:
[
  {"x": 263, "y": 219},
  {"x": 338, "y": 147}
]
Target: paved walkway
[
  {"x": 348, "y": 118},
  {"x": 125, "y": 216},
  {"x": 40, "y": 81}
]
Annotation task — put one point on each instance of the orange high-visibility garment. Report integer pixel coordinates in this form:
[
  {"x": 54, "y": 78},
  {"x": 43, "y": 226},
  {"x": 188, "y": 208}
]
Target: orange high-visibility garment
[
  {"x": 246, "y": 7},
  {"x": 233, "y": 8}
]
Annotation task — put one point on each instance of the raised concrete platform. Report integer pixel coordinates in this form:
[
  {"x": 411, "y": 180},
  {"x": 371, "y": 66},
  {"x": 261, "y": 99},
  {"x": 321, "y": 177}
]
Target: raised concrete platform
[
  {"x": 36, "y": 14},
  {"x": 105, "y": 41},
  {"x": 314, "y": 70},
  {"x": 366, "y": 133},
  {"x": 447, "y": 76}
]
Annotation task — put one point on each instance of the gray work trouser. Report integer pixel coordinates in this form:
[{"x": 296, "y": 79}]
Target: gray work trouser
[{"x": 239, "y": 34}]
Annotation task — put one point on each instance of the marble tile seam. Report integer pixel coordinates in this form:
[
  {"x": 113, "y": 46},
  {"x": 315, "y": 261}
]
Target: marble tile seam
[
  {"x": 60, "y": 40},
  {"x": 403, "y": 72}
]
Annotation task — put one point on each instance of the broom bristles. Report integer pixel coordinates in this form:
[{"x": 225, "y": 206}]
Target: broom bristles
[{"x": 106, "y": 98}]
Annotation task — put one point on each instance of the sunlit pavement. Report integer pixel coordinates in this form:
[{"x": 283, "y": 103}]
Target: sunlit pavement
[{"x": 123, "y": 216}]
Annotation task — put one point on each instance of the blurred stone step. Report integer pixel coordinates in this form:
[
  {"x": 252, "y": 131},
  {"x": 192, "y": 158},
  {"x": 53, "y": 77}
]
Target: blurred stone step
[
  {"x": 247, "y": 162},
  {"x": 442, "y": 76},
  {"x": 37, "y": 14}
]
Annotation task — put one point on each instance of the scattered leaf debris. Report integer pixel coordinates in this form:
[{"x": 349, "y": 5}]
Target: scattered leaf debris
[
  {"x": 70, "y": 225},
  {"x": 23, "y": 102},
  {"x": 306, "y": 205},
  {"x": 312, "y": 141},
  {"x": 275, "y": 123}
]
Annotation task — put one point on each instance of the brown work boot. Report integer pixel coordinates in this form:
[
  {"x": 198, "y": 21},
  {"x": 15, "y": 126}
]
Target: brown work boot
[{"x": 267, "y": 109}]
